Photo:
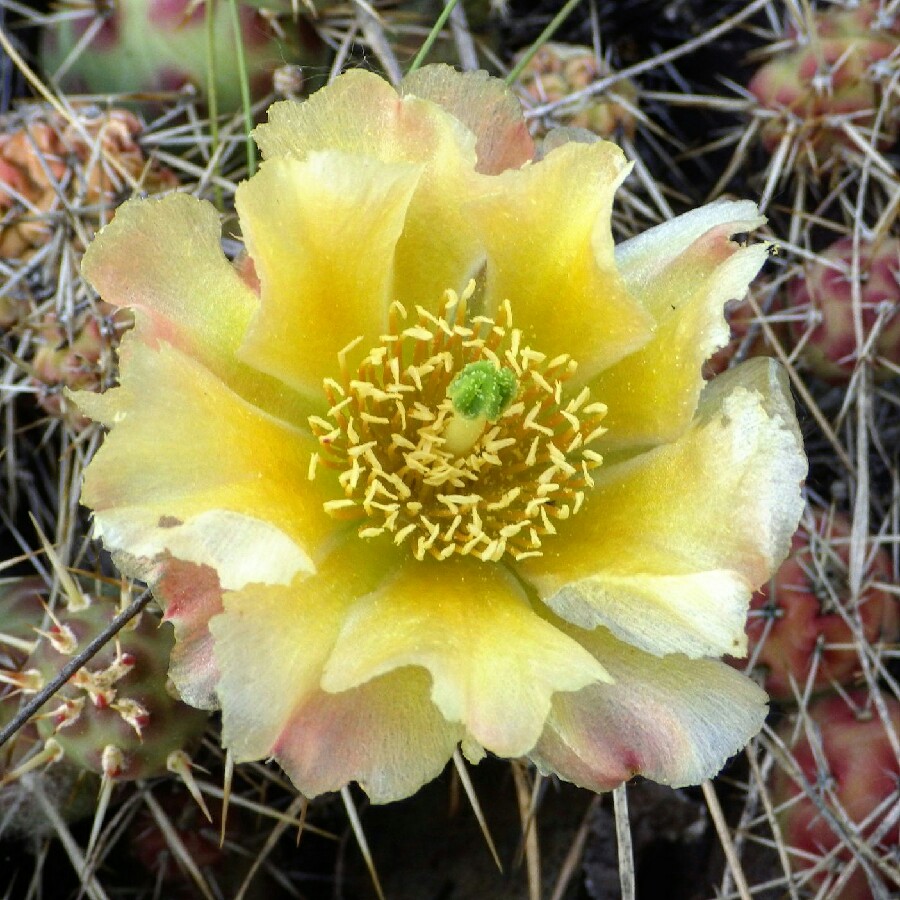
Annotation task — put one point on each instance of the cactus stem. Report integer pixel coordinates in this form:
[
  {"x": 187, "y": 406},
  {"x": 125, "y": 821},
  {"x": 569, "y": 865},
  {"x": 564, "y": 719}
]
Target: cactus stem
[
  {"x": 179, "y": 763},
  {"x": 99, "y": 685},
  {"x": 52, "y": 752},
  {"x": 112, "y": 761},
  {"x": 134, "y": 624},
  {"x": 119, "y": 668},
  {"x": 28, "y": 682}
]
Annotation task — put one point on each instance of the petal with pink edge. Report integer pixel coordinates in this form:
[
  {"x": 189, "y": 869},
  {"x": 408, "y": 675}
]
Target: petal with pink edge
[
  {"x": 385, "y": 734},
  {"x": 671, "y": 544},
  {"x": 683, "y": 273},
  {"x": 550, "y": 253},
  {"x": 674, "y": 720},
  {"x": 486, "y": 106},
  {"x": 271, "y": 642},
  {"x": 494, "y": 663},
  {"x": 162, "y": 258},
  {"x": 227, "y": 496},
  {"x": 325, "y": 280},
  {"x": 645, "y": 257},
  {"x": 190, "y": 596}
]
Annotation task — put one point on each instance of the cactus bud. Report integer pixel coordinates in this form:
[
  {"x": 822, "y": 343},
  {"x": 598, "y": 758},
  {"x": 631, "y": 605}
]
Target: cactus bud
[{"x": 558, "y": 70}]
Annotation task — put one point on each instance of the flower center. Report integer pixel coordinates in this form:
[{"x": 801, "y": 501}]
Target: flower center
[{"x": 453, "y": 437}]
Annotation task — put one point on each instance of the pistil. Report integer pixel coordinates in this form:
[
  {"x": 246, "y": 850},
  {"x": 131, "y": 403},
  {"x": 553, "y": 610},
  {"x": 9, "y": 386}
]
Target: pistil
[{"x": 480, "y": 394}]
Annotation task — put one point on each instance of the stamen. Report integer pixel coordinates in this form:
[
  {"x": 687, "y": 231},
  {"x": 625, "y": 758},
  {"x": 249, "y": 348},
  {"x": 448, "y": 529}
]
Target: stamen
[{"x": 453, "y": 438}]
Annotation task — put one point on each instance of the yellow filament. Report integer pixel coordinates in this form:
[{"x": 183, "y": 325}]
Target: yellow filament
[{"x": 415, "y": 469}]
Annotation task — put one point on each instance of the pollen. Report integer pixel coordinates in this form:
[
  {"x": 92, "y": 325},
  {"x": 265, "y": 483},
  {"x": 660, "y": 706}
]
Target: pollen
[{"x": 432, "y": 474}]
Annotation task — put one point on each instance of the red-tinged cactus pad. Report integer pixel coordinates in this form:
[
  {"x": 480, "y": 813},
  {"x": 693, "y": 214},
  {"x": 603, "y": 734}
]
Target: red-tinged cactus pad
[
  {"x": 830, "y": 80},
  {"x": 825, "y": 292},
  {"x": 801, "y": 625},
  {"x": 161, "y": 45},
  {"x": 116, "y": 715},
  {"x": 859, "y": 783}
]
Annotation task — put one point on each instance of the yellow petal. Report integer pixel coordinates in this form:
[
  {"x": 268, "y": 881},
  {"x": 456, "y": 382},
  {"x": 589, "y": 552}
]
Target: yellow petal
[
  {"x": 494, "y": 663},
  {"x": 485, "y": 105},
  {"x": 671, "y": 544},
  {"x": 192, "y": 470},
  {"x": 683, "y": 272},
  {"x": 674, "y": 720},
  {"x": 322, "y": 235},
  {"x": 549, "y": 246},
  {"x": 386, "y": 734},
  {"x": 362, "y": 114},
  {"x": 162, "y": 257},
  {"x": 272, "y": 642}
]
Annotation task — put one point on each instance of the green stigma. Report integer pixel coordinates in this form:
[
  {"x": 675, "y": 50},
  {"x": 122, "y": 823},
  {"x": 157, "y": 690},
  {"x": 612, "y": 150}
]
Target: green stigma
[{"x": 481, "y": 390}]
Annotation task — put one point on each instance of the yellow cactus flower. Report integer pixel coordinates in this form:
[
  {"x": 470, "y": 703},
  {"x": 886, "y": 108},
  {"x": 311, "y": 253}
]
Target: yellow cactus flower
[{"x": 434, "y": 465}]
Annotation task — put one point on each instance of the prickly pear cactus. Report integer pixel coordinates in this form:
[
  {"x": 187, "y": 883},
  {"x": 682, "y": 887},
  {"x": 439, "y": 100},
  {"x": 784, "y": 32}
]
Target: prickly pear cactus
[
  {"x": 75, "y": 355},
  {"x": 72, "y": 168},
  {"x": 826, "y": 90},
  {"x": 71, "y": 790},
  {"x": 116, "y": 716},
  {"x": 21, "y": 612},
  {"x": 826, "y": 330},
  {"x": 51, "y": 164},
  {"x": 161, "y": 45},
  {"x": 748, "y": 337},
  {"x": 846, "y": 753},
  {"x": 801, "y": 624}
]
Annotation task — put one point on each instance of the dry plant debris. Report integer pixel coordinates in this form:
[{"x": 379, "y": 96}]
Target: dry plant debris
[{"x": 794, "y": 102}]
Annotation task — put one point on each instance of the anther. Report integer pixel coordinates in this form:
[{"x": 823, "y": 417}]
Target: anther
[{"x": 453, "y": 438}]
